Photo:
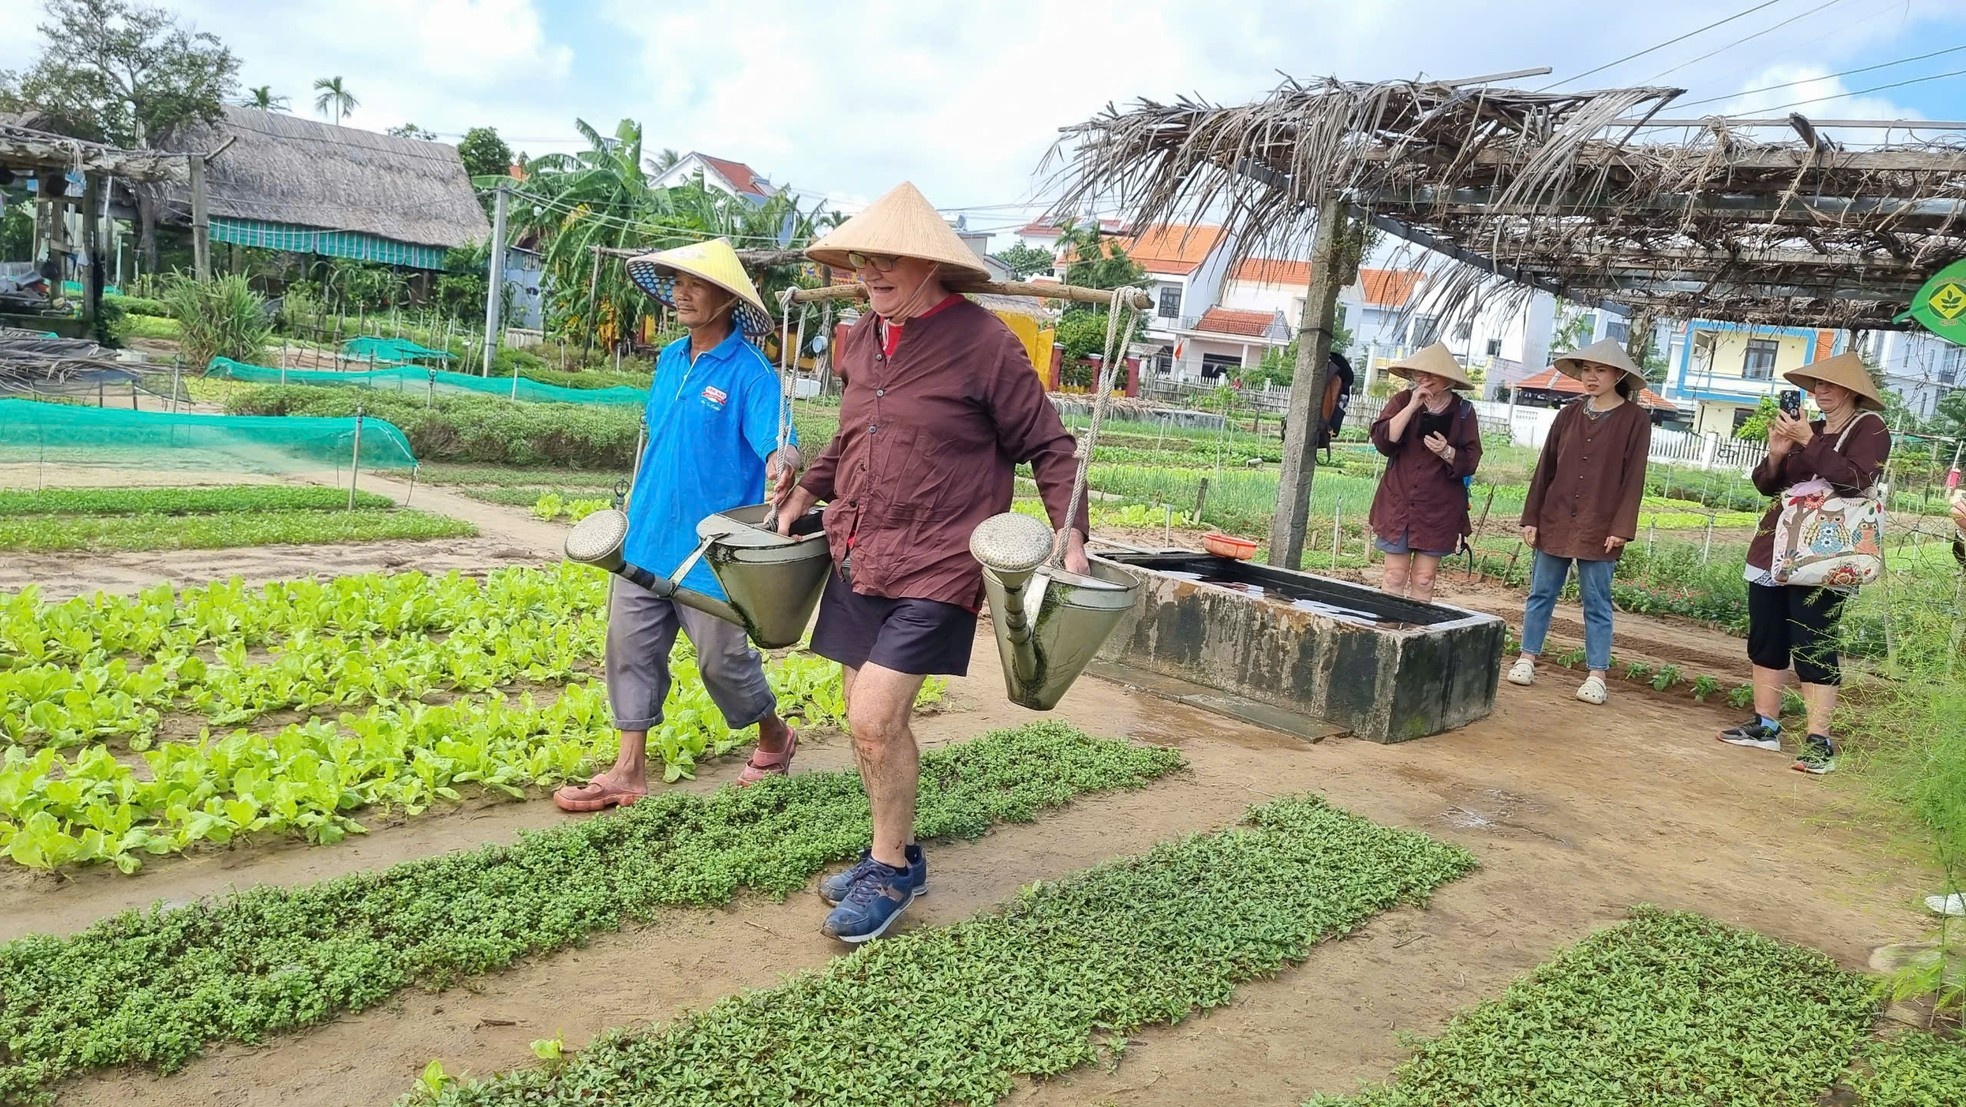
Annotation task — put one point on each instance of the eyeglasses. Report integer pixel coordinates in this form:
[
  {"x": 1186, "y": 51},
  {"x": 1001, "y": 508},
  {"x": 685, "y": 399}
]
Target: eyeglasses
[{"x": 880, "y": 263}]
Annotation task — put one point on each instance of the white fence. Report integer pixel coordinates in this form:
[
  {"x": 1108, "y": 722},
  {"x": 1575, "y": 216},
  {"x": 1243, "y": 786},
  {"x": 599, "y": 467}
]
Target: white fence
[{"x": 1529, "y": 426}]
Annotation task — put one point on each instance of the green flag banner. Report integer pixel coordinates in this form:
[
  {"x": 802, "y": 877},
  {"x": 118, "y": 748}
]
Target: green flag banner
[{"x": 1941, "y": 305}]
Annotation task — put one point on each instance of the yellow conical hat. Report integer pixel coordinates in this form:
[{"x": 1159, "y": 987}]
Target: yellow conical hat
[
  {"x": 712, "y": 261},
  {"x": 902, "y": 223},
  {"x": 1436, "y": 359},
  {"x": 1608, "y": 352}
]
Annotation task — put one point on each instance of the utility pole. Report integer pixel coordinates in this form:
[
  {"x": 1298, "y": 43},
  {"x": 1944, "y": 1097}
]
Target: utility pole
[
  {"x": 1307, "y": 383},
  {"x": 201, "y": 222},
  {"x": 495, "y": 286}
]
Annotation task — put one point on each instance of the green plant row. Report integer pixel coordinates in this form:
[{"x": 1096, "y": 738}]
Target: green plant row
[
  {"x": 314, "y": 778},
  {"x": 165, "y": 622},
  {"x": 1666, "y": 1009},
  {"x": 1910, "y": 1069},
  {"x": 58, "y": 706},
  {"x": 58, "y": 533},
  {"x": 153, "y": 987},
  {"x": 551, "y": 505},
  {"x": 181, "y": 501},
  {"x": 494, "y": 430},
  {"x": 478, "y": 480},
  {"x": 1057, "y": 979}
]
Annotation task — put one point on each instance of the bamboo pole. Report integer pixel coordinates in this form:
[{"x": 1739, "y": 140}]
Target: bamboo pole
[{"x": 1043, "y": 290}]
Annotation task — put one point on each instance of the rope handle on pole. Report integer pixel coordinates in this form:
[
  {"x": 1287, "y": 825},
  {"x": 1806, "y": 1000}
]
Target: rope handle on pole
[{"x": 1124, "y": 300}]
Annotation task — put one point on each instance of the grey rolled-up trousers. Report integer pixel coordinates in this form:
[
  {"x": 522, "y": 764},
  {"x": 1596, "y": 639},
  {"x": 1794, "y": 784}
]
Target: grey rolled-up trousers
[{"x": 642, "y": 631}]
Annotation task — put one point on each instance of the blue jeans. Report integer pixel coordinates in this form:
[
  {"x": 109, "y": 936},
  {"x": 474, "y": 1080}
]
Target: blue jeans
[{"x": 1593, "y": 585}]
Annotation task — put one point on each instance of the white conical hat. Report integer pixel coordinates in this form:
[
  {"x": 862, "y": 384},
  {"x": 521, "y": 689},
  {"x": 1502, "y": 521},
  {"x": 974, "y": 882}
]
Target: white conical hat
[
  {"x": 902, "y": 223},
  {"x": 1608, "y": 352},
  {"x": 1436, "y": 359},
  {"x": 713, "y": 260},
  {"x": 1846, "y": 369}
]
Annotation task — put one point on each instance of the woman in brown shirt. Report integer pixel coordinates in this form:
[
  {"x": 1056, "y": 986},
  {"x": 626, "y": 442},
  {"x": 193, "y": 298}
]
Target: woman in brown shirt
[
  {"x": 1432, "y": 442},
  {"x": 1583, "y": 504},
  {"x": 1791, "y": 626}
]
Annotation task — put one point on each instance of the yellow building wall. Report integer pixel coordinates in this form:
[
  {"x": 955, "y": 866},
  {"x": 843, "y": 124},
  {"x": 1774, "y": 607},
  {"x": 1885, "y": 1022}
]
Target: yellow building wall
[
  {"x": 1034, "y": 333},
  {"x": 1730, "y": 353}
]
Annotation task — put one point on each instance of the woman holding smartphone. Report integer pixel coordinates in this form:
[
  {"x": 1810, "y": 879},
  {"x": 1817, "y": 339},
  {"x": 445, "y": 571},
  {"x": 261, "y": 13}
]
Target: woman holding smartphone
[
  {"x": 1583, "y": 504},
  {"x": 1432, "y": 442},
  {"x": 1791, "y": 627}
]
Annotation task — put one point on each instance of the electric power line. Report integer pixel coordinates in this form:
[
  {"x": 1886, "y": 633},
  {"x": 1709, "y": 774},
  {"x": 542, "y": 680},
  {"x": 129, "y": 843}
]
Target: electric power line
[
  {"x": 1742, "y": 39},
  {"x": 1824, "y": 77},
  {"x": 1874, "y": 88},
  {"x": 1662, "y": 45}
]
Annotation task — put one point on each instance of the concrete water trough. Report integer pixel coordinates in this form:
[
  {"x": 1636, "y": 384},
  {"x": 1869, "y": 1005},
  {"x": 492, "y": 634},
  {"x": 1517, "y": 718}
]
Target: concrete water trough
[{"x": 1359, "y": 661}]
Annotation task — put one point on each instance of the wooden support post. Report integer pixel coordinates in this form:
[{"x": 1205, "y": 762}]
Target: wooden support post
[
  {"x": 494, "y": 286},
  {"x": 201, "y": 222},
  {"x": 1307, "y": 390},
  {"x": 92, "y": 277},
  {"x": 1201, "y": 499}
]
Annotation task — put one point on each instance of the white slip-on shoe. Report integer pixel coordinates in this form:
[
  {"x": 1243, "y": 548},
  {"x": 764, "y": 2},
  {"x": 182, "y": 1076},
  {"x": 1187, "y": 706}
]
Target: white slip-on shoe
[
  {"x": 1593, "y": 690},
  {"x": 1523, "y": 672}
]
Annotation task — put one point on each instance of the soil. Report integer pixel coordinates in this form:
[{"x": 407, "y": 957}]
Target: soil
[{"x": 1575, "y": 812}]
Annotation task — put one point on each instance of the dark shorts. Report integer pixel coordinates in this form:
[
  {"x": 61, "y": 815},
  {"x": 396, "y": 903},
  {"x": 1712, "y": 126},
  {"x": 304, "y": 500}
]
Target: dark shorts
[
  {"x": 1796, "y": 626},
  {"x": 918, "y": 637}
]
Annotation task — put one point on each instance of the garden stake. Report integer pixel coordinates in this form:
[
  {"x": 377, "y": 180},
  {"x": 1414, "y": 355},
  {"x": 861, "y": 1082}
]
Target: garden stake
[
  {"x": 1337, "y": 529},
  {"x": 355, "y": 461},
  {"x": 1479, "y": 528},
  {"x": 1201, "y": 499},
  {"x": 1706, "y": 552}
]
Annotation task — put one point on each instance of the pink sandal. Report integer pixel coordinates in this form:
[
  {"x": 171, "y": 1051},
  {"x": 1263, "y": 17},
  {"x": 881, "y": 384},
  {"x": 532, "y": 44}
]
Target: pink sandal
[
  {"x": 762, "y": 764},
  {"x": 595, "y": 795}
]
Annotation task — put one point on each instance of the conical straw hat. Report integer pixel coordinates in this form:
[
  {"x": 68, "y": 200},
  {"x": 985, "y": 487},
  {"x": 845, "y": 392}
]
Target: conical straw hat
[
  {"x": 905, "y": 224},
  {"x": 1607, "y": 352},
  {"x": 1436, "y": 359},
  {"x": 1846, "y": 369},
  {"x": 712, "y": 261}
]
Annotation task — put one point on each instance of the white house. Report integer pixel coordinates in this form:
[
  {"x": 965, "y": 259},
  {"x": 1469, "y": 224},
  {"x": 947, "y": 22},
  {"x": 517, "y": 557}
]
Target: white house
[
  {"x": 733, "y": 178},
  {"x": 1918, "y": 366}
]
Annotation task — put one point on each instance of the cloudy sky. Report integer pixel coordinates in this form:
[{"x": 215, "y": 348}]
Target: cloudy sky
[{"x": 841, "y": 100}]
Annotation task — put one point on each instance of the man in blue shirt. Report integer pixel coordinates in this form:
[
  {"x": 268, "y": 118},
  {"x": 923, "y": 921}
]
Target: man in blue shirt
[{"x": 713, "y": 426}]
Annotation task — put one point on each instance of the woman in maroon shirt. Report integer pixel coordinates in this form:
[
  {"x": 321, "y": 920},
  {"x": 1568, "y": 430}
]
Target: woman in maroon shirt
[
  {"x": 1582, "y": 506},
  {"x": 1432, "y": 442},
  {"x": 1791, "y": 627}
]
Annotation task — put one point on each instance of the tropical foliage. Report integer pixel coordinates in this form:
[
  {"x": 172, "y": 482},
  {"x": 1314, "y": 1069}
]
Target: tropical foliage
[{"x": 604, "y": 197}]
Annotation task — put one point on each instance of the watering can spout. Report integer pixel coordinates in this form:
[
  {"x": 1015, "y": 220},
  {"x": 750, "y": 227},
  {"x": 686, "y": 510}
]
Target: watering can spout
[{"x": 1049, "y": 623}]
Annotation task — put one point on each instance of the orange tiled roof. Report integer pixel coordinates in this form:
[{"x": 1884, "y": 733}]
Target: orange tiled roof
[
  {"x": 1388, "y": 287},
  {"x": 1250, "y": 324},
  {"x": 1272, "y": 271},
  {"x": 1555, "y": 380},
  {"x": 1174, "y": 249}
]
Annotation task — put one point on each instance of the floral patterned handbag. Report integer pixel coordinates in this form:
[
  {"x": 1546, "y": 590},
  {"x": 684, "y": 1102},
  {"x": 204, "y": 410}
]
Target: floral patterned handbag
[{"x": 1824, "y": 540}]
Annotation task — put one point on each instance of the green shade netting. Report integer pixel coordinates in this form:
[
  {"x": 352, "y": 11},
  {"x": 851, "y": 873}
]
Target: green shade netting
[
  {"x": 32, "y": 431},
  {"x": 388, "y": 351},
  {"x": 417, "y": 380}
]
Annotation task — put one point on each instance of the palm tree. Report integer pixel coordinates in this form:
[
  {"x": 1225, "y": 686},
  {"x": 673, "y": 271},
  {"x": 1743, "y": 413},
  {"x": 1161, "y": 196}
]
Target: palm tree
[
  {"x": 663, "y": 162},
  {"x": 261, "y": 97},
  {"x": 334, "y": 99}
]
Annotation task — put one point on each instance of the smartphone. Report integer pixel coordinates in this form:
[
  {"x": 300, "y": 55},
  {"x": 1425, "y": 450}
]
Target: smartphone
[{"x": 1791, "y": 401}]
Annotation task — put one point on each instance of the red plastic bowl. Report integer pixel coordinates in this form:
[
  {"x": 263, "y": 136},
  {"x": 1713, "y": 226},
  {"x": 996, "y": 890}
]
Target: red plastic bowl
[{"x": 1223, "y": 545}]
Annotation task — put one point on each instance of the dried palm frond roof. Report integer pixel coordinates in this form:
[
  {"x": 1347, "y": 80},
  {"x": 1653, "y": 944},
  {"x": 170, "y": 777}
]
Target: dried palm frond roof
[
  {"x": 279, "y": 168},
  {"x": 24, "y": 145},
  {"x": 1548, "y": 190}
]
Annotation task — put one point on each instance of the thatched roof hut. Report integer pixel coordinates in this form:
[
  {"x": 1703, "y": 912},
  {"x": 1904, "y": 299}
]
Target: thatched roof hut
[{"x": 288, "y": 183}]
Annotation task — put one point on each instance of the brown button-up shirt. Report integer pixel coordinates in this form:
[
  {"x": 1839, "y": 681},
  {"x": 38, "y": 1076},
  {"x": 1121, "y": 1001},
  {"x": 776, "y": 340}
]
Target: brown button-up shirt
[
  {"x": 1590, "y": 481},
  {"x": 928, "y": 441},
  {"x": 1421, "y": 496},
  {"x": 1851, "y": 470}
]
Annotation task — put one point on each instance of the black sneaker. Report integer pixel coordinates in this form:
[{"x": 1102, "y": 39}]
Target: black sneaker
[
  {"x": 1754, "y": 733},
  {"x": 1818, "y": 756}
]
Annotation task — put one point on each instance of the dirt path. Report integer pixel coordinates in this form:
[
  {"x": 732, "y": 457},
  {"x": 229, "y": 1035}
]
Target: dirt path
[{"x": 1575, "y": 812}]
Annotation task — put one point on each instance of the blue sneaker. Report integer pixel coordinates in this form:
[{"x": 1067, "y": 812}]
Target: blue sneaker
[
  {"x": 871, "y": 905},
  {"x": 834, "y": 888}
]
